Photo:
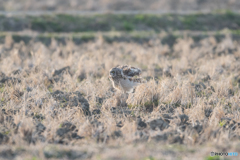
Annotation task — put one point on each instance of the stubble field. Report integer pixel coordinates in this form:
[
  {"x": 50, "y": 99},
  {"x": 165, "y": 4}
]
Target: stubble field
[{"x": 57, "y": 101}]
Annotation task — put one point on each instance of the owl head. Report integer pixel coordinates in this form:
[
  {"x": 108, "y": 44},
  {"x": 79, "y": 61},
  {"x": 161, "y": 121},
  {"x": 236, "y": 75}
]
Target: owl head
[{"x": 115, "y": 72}]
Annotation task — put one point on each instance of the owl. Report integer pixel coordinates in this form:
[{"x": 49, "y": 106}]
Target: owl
[{"x": 123, "y": 78}]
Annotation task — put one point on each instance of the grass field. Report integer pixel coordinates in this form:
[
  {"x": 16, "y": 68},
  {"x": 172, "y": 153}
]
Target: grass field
[
  {"x": 121, "y": 22},
  {"x": 116, "y": 5},
  {"x": 57, "y": 101}
]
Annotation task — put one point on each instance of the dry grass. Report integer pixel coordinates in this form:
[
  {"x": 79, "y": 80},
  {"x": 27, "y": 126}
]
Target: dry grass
[
  {"x": 188, "y": 107},
  {"x": 105, "y": 5}
]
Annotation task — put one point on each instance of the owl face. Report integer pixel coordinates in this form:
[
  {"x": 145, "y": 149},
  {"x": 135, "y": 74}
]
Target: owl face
[{"x": 114, "y": 72}]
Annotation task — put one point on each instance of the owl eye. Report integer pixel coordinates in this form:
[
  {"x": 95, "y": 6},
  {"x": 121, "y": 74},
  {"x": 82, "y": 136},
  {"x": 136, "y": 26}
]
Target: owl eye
[{"x": 113, "y": 72}]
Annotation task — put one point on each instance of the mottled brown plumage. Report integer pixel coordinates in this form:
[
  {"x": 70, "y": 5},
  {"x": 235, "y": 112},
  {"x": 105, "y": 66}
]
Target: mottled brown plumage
[
  {"x": 130, "y": 71},
  {"x": 123, "y": 77}
]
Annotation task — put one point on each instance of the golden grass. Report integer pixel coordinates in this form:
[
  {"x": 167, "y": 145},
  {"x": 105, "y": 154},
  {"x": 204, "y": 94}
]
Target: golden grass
[{"x": 199, "y": 92}]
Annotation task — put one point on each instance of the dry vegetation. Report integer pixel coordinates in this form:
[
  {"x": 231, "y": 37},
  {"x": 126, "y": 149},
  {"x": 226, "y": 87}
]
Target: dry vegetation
[
  {"x": 115, "y": 5},
  {"x": 57, "y": 101}
]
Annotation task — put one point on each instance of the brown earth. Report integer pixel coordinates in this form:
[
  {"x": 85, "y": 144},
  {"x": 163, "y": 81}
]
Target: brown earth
[{"x": 57, "y": 102}]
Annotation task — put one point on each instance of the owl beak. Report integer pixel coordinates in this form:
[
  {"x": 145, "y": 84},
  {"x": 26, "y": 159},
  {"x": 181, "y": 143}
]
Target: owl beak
[{"x": 110, "y": 76}]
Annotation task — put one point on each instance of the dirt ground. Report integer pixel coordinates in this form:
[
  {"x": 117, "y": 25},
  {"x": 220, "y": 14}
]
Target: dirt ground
[{"x": 57, "y": 101}]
